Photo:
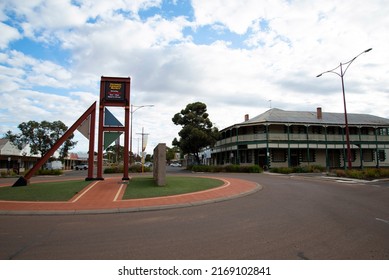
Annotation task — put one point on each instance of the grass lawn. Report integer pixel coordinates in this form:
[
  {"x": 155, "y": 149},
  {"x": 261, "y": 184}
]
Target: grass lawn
[
  {"x": 50, "y": 191},
  {"x": 143, "y": 187}
]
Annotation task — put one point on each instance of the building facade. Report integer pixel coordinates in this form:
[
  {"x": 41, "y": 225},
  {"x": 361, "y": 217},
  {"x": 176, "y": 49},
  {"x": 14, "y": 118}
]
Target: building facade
[
  {"x": 279, "y": 138},
  {"x": 16, "y": 160},
  {"x": 13, "y": 159}
]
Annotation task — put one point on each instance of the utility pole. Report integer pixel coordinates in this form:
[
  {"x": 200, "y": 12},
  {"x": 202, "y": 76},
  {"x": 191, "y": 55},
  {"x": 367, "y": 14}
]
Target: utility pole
[{"x": 143, "y": 153}]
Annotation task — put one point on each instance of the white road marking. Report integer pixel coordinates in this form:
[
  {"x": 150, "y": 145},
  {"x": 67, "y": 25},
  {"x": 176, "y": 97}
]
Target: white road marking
[
  {"x": 382, "y": 220},
  {"x": 88, "y": 189},
  {"x": 117, "y": 194}
]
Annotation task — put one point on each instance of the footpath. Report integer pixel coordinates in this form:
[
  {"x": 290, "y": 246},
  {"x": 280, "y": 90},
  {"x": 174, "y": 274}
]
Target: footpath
[{"x": 105, "y": 196}]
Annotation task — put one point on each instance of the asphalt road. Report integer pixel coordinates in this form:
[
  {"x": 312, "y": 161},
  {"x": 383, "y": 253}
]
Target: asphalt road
[{"x": 292, "y": 217}]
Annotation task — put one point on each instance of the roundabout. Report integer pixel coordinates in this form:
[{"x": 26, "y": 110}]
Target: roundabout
[
  {"x": 105, "y": 196},
  {"x": 292, "y": 217}
]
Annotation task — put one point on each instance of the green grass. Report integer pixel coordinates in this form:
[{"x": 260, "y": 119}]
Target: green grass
[
  {"x": 144, "y": 187},
  {"x": 50, "y": 191}
]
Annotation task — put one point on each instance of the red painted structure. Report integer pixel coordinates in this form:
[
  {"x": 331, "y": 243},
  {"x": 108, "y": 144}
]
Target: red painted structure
[
  {"x": 114, "y": 92},
  {"x": 24, "y": 180}
]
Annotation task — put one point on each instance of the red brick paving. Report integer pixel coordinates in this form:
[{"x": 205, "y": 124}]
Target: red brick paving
[{"x": 100, "y": 196}]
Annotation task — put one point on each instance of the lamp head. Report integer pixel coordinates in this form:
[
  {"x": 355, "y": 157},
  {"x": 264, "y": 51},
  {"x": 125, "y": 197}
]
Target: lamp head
[
  {"x": 368, "y": 50},
  {"x": 319, "y": 75}
]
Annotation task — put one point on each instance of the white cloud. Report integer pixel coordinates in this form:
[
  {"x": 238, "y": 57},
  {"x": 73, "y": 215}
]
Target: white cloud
[
  {"x": 237, "y": 16},
  {"x": 8, "y": 34},
  {"x": 285, "y": 44}
]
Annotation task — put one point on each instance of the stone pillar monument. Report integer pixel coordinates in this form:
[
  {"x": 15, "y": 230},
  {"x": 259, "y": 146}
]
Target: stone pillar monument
[{"x": 159, "y": 164}]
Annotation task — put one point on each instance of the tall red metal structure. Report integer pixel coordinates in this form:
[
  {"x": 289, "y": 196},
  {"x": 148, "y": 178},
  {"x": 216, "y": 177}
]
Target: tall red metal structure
[
  {"x": 114, "y": 92},
  {"x": 89, "y": 113}
]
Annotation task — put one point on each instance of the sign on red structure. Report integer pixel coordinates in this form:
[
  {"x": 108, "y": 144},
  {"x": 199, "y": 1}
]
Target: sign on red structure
[{"x": 115, "y": 92}]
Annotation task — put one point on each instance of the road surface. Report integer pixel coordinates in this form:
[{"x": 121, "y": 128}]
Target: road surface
[{"x": 292, "y": 217}]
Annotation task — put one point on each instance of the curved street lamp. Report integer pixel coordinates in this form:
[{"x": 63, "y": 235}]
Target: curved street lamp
[
  {"x": 341, "y": 74},
  {"x": 132, "y": 112}
]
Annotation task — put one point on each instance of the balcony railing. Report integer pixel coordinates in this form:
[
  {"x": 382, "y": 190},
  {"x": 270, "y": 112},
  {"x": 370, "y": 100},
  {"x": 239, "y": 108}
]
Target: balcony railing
[{"x": 301, "y": 138}]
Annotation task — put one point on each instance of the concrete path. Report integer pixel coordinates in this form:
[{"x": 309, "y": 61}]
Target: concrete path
[{"x": 106, "y": 197}]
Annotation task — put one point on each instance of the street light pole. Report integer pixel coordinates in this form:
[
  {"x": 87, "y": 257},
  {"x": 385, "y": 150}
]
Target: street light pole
[
  {"x": 132, "y": 112},
  {"x": 341, "y": 75}
]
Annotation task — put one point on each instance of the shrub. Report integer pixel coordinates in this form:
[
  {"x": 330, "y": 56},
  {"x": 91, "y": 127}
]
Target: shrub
[
  {"x": 113, "y": 169},
  {"x": 282, "y": 170},
  {"x": 132, "y": 169},
  {"x": 298, "y": 169},
  {"x": 232, "y": 168},
  {"x": 372, "y": 173},
  {"x": 138, "y": 169},
  {"x": 356, "y": 174},
  {"x": 201, "y": 168},
  {"x": 49, "y": 172},
  {"x": 227, "y": 168},
  {"x": 254, "y": 169},
  {"x": 340, "y": 173},
  {"x": 384, "y": 172},
  {"x": 8, "y": 174},
  {"x": 366, "y": 174}
]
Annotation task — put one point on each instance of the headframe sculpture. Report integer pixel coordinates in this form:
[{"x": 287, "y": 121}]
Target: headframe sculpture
[
  {"x": 89, "y": 117},
  {"x": 114, "y": 92}
]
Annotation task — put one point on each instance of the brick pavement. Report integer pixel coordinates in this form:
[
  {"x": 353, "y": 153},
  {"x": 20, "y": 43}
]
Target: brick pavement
[{"x": 106, "y": 197}]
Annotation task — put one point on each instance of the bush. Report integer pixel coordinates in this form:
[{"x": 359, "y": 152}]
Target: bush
[
  {"x": 8, "y": 174},
  {"x": 356, "y": 174},
  {"x": 233, "y": 168},
  {"x": 227, "y": 168},
  {"x": 49, "y": 172},
  {"x": 282, "y": 170},
  {"x": 138, "y": 169},
  {"x": 365, "y": 174},
  {"x": 200, "y": 168},
  {"x": 340, "y": 173},
  {"x": 298, "y": 169},
  {"x": 132, "y": 169},
  {"x": 113, "y": 169}
]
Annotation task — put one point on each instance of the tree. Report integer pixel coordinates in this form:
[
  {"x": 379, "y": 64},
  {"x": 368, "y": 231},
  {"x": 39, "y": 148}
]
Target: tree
[
  {"x": 171, "y": 153},
  {"x": 117, "y": 152},
  {"x": 197, "y": 130},
  {"x": 41, "y": 137}
]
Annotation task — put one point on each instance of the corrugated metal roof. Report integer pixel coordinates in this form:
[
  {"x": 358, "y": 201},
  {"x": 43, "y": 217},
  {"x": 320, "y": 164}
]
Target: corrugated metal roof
[
  {"x": 3, "y": 142},
  {"x": 280, "y": 116}
]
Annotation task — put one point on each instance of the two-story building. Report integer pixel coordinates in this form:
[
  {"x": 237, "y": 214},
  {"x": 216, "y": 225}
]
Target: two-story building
[{"x": 279, "y": 138}]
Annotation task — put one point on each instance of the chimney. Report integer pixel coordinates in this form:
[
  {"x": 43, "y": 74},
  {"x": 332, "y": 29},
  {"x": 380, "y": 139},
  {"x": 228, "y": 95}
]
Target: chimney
[
  {"x": 319, "y": 113},
  {"x": 246, "y": 117}
]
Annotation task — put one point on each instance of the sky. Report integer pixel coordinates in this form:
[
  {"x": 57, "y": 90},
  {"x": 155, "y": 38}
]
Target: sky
[{"x": 237, "y": 57}]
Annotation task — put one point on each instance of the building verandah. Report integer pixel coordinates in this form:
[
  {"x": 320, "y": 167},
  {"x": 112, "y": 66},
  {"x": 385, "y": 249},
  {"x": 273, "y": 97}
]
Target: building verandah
[{"x": 298, "y": 144}]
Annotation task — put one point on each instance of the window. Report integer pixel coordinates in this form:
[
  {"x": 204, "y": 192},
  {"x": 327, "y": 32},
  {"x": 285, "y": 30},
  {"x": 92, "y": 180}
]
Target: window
[
  {"x": 249, "y": 156},
  {"x": 353, "y": 130},
  {"x": 278, "y": 156},
  {"x": 381, "y": 155},
  {"x": 368, "y": 155},
  {"x": 383, "y": 131},
  {"x": 302, "y": 130},
  {"x": 307, "y": 156},
  {"x": 353, "y": 155},
  {"x": 260, "y": 129},
  {"x": 330, "y": 130},
  {"x": 316, "y": 129},
  {"x": 364, "y": 131}
]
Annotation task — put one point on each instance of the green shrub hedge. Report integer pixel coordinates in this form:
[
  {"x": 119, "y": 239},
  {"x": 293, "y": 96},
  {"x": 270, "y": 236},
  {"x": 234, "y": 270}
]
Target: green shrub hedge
[
  {"x": 131, "y": 169},
  {"x": 299, "y": 169},
  {"x": 364, "y": 174},
  {"x": 49, "y": 172},
  {"x": 226, "y": 168}
]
